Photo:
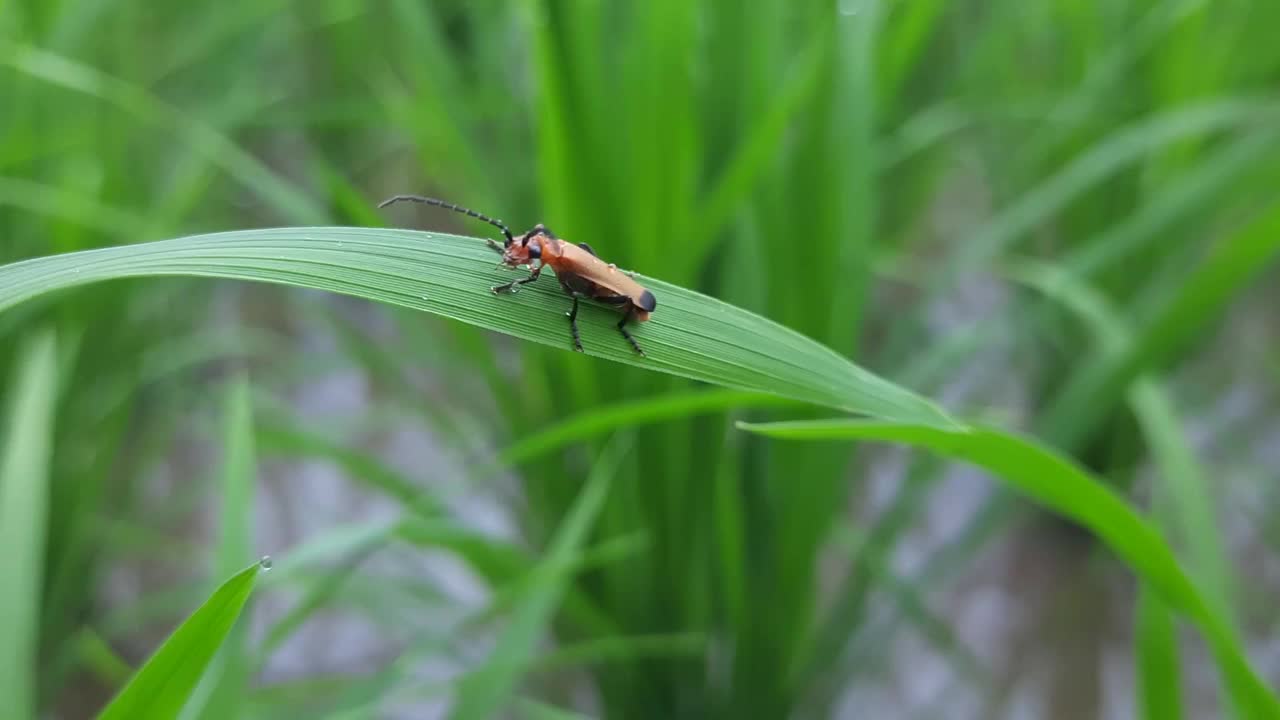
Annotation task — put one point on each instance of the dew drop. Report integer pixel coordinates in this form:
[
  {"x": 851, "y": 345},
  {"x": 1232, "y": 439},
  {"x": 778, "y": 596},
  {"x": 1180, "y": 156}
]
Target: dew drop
[{"x": 265, "y": 563}]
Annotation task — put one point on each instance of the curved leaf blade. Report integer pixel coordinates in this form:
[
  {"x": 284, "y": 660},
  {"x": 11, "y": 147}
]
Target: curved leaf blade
[
  {"x": 26, "y": 454},
  {"x": 691, "y": 334},
  {"x": 1058, "y": 484},
  {"x": 160, "y": 689}
]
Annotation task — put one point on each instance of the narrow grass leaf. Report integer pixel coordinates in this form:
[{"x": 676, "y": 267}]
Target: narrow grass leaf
[
  {"x": 220, "y": 691},
  {"x": 238, "y": 475},
  {"x": 27, "y": 450},
  {"x": 162, "y": 686},
  {"x": 95, "y": 653},
  {"x": 334, "y": 543},
  {"x": 363, "y": 468},
  {"x": 1113, "y": 153},
  {"x": 1061, "y": 486},
  {"x": 64, "y": 204},
  {"x": 1185, "y": 314},
  {"x": 691, "y": 334},
  {"x": 316, "y": 594},
  {"x": 625, "y": 649},
  {"x": 730, "y": 190},
  {"x": 211, "y": 144},
  {"x": 535, "y": 710},
  {"x": 603, "y": 420},
  {"x": 1184, "y": 504},
  {"x": 489, "y": 688},
  {"x": 1159, "y": 677}
]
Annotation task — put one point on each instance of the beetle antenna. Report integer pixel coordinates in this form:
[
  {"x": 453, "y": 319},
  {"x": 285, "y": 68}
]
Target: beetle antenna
[{"x": 450, "y": 206}]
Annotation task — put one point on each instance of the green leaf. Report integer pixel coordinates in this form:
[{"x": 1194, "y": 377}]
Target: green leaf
[
  {"x": 1121, "y": 148},
  {"x": 199, "y": 136},
  {"x": 535, "y": 710},
  {"x": 220, "y": 692},
  {"x": 1210, "y": 286},
  {"x": 1060, "y": 485},
  {"x": 489, "y": 688},
  {"x": 600, "y": 421},
  {"x": 24, "y": 501},
  {"x": 1185, "y": 506},
  {"x": 691, "y": 335},
  {"x": 363, "y": 468},
  {"x": 1159, "y": 677},
  {"x": 160, "y": 689}
]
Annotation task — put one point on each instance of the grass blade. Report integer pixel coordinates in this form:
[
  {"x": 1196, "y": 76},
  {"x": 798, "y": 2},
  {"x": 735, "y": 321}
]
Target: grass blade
[
  {"x": 160, "y": 689},
  {"x": 1210, "y": 287},
  {"x": 1124, "y": 147},
  {"x": 535, "y": 710},
  {"x": 220, "y": 692},
  {"x": 1184, "y": 504},
  {"x": 363, "y": 468},
  {"x": 490, "y": 687},
  {"x": 1063, "y": 487},
  {"x": 1159, "y": 677},
  {"x": 221, "y": 151},
  {"x": 691, "y": 335},
  {"x": 24, "y": 500},
  {"x": 236, "y": 543},
  {"x": 601, "y": 421}
]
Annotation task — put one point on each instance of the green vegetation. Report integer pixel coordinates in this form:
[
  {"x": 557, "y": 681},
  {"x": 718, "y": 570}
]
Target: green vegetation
[
  {"x": 1056, "y": 220},
  {"x": 163, "y": 686}
]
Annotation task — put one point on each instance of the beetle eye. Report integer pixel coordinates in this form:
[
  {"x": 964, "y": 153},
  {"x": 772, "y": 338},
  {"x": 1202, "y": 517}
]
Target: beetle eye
[{"x": 535, "y": 250}]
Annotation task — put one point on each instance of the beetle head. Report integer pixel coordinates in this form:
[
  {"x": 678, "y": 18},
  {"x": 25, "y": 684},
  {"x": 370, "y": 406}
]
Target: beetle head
[{"x": 522, "y": 250}]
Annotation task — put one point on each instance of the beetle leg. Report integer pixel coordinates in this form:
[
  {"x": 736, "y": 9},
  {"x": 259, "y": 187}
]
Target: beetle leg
[
  {"x": 573, "y": 324},
  {"x": 622, "y": 328},
  {"x": 514, "y": 286}
]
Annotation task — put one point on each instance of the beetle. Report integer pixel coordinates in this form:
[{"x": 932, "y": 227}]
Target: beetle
[{"x": 581, "y": 273}]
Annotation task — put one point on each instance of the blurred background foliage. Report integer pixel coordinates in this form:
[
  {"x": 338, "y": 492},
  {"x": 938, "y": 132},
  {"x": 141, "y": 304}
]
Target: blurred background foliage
[{"x": 1045, "y": 214}]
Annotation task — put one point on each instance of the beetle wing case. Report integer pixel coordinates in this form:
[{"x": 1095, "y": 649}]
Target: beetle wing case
[{"x": 573, "y": 259}]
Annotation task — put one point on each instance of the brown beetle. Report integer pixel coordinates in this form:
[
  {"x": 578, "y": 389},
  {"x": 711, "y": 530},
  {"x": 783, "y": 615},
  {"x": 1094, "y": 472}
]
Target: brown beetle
[{"x": 580, "y": 272}]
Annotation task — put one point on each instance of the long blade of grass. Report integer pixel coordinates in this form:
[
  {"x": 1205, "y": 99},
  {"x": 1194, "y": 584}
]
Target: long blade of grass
[
  {"x": 161, "y": 688},
  {"x": 1217, "y": 176},
  {"x": 1115, "y": 152},
  {"x": 691, "y": 334},
  {"x": 535, "y": 710},
  {"x": 490, "y": 687},
  {"x": 1060, "y": 485},
  {"x": 24, "y": 500},
  {"x": 1159, "y": 676},
  {"x": 363, "y": 468},
  {"x": 625, "y": 649},
  {"x": 238, "y": 470},
  {"x": 65, "y": 204},
  {"x": 314, "y": 596},
  {"x": 1184, "y": 504},
  {"x": 1186, "y": 312},
  {"x": 213, "y": 145},
  {"x": 757, "y": 149},
  {"x": 601, "y": 421},
  {"x": 220, "y": 692}
]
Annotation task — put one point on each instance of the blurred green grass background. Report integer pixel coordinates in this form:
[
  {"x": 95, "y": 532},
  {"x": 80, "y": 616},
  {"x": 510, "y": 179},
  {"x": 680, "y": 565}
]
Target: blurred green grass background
[{"x": 1056, "y": 215}]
